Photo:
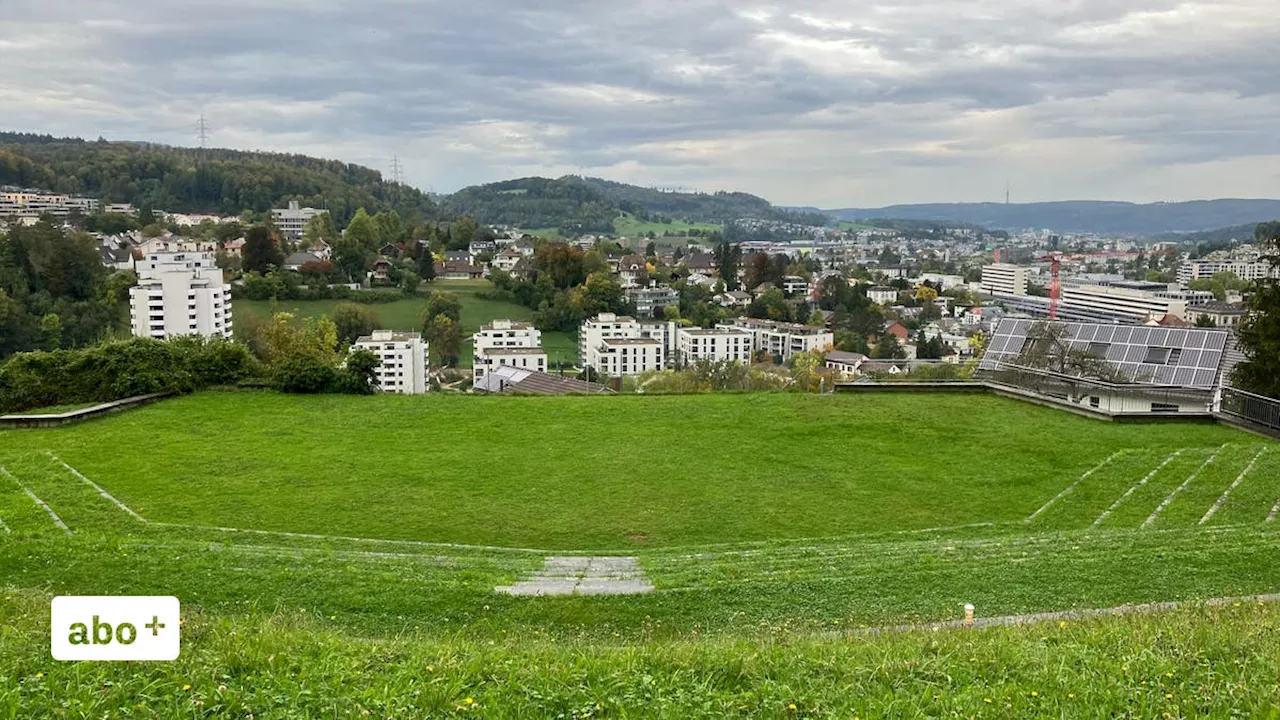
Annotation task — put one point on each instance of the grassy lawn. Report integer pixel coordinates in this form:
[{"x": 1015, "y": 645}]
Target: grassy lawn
[
  {"x": 628, "y": 225},
  {"x": 407, "y": 315},
  {"x": 58, "y": 409},
  {"x": 771, "y": 526},
  {"x": 612, "y": 473},
  {"x": 855, "y": 226}
]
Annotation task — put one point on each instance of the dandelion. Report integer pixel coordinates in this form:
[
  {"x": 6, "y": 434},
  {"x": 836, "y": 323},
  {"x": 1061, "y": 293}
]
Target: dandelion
[
  {"x": 1168, "y": 696},
  {"x": 1035, "y": 694},
  {"x": 1071, "y": 695},
  {"x": 469, "y": 701},
  {"x": 791, "y": 706},
  {"x": 39, "y": 675},
  {"x": 1062, "y": 624},
  {"x": 986, "y": 700},
  {"x": 186, "y": 688},
  {"x": 1168, "y": 674}
]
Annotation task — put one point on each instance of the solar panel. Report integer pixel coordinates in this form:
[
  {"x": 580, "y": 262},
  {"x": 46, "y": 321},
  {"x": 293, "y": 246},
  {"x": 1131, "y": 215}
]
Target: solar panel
[{"x": 1187, "y": 357}]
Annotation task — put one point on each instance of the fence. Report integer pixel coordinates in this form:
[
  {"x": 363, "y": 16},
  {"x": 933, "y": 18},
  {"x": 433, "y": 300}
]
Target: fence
[{"x": 1256, "y": 409}]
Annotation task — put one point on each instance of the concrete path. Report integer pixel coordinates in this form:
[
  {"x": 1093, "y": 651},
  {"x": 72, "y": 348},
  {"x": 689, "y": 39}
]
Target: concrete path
[{"x": 577, "y": 575}]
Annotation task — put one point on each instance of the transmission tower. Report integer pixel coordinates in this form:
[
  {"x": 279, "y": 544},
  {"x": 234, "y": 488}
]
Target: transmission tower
[
  {"x": 203, "y": 128},
  {"x": 397, "y": 172}
]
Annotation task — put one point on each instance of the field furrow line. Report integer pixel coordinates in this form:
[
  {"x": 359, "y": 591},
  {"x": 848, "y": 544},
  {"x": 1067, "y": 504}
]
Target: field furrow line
[
  {"x": 1073, "y": 485},
  {"x": 97, "y": 487},
  {"x": 1169, "y": 498},
  {"x": 1239, "y": 479},
  {"x": 1130, "y": 491},
  {"x": 52, "y": 515}
]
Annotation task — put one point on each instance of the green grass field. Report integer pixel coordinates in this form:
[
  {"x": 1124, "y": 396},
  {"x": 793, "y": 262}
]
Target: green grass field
[
  {"x": 407, "y": 314},
  {"x": 855, "y": 226},
  {"x": 355, "y": 541},
  {"x": 628, "y": 225}
]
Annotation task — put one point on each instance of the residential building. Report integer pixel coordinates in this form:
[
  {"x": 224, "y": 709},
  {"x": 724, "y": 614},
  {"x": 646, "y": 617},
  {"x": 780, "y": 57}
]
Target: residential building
[
  {"x": 733, "y": 298},
  {"x": 722, "y": 344},
  {"x": 618, "y": 357},
  {"x": 882, "y": 294},
  {"x": 783, "y": 339},
  {"x": 1004, "y": 279},
  {"x": 594, "y": 333},
  {"x": 1206, "y": 269},
  {"x": 633, "y": 271},
  {"x": 34, "y": 203},
  {"x": 495, "y": 341},
  {"x": 297, "y": 260},
  {"x": 507, "y": 259},
  {"x": 848, "y": 364},
  {"x": 292, "y": 221},
  {"x": 180, "y": 294},
  {"x": 455, "y": 270},
  {"x": 1223, "y": 315},
  {"x": 404, "y": 360},
  {"x": 794, "y": 285},
  {"x": 650, "y": 301}
]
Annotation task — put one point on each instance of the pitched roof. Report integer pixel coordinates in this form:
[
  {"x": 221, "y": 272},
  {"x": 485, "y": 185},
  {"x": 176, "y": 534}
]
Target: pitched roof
[{"x": 507, "y": 379}]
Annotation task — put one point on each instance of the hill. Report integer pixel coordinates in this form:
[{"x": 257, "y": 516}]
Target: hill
[
  {"x": 1084, "y": 216},
  {"x": 583, "y": 204},
  {"x": 199, "y": 180}
]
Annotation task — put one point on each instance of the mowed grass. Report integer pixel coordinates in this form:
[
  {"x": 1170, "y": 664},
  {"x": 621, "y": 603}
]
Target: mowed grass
[
  {"x": 605, "y": 473},
  {"x": 1199, "y": 662},
  {"x": 630, "y": 226},
  {"x": 407, "y": 315}
]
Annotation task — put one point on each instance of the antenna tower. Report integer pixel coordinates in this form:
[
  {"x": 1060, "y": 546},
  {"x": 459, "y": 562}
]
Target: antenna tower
[
  {"x": 204, "y": 131},
  {"x": 397, "y": 172}
]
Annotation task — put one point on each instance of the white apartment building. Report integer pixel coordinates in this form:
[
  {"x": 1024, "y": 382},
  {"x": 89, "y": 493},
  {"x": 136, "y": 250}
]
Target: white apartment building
[
  {"x": 716, "y": 345},
  {"x": 292, "y": 221},
  {"x": 495, "y": 342},
  {"x": 1206, "y": 269},
  {"x": 404, "y": 360},
  {"x": 649, "y": 301},
  {"x": 31, "y": 203},
  {"x": 607, "y": 326},
  {"x": 782, "y": 339},
  {"x": 616, "y": 357},
  {"x": 180, "y": 294},
  {"x": 882, "y": 295},
  {"x": 1119, "y": 301},
  {"x": 1004, "y": 279}
]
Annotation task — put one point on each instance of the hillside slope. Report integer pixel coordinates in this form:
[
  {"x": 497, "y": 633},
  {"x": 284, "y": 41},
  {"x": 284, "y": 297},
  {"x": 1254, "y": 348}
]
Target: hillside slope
[
  {"x": 1084, "y": 215},
  {"x": 196, "y": 180}
]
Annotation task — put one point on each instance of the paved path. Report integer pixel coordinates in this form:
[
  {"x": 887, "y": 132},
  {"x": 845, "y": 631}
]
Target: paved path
[{"x": 578, "y": 575}]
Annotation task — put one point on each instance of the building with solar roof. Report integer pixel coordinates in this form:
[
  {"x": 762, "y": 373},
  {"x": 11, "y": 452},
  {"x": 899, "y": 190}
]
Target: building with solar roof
[{"x": 1111, "y": 369}]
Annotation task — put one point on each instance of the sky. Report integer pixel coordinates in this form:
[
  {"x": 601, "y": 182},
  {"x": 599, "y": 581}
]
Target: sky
[{"x": 828, "y": 103}]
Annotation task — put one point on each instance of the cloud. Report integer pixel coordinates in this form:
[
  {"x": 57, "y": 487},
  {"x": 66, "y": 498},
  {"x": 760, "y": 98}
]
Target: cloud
[{"x": 816, "y": 102}]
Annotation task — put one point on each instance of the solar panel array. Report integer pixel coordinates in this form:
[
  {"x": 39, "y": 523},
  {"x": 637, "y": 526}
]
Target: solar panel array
[{"x": 1185, "y": 357}]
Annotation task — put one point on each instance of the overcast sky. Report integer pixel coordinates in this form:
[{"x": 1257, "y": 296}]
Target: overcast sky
[{"x": 835, "y": 103}]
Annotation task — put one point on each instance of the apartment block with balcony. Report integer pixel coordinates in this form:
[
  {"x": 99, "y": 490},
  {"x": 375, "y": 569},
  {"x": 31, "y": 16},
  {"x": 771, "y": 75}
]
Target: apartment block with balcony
[
  {"x": 1004, "y": 279},
  {"x": 404, "y": 369},
  {"x": 606, "y": 326},
  {"x": 292, "y": 221},
  {"x": 714, "y": 345},
  {"x": 180, "y": 294},
  {"x": 495, "y": 342},
  {"x": 782, "y": 339}
]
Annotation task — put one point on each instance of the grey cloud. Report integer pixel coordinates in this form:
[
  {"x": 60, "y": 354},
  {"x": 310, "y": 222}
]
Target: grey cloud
[{"x": 480, "y": 88}]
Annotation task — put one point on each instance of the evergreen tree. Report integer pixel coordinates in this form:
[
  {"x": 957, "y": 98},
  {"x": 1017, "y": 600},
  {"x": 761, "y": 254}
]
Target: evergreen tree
[{"x": 1260, "y": 330}]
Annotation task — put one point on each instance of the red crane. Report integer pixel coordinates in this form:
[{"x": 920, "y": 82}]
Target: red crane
[{"x": 1055, "y": 286}]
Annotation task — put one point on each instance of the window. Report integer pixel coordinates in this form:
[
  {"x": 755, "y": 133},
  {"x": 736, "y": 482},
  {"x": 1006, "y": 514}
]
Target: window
[
  {"x": 1163, "y": 407},
  {"x": 1095, "y": 402}
]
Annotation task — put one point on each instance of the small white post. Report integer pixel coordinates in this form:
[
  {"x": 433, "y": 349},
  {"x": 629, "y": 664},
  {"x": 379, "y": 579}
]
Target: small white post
[{"x": 968, "y": 615}]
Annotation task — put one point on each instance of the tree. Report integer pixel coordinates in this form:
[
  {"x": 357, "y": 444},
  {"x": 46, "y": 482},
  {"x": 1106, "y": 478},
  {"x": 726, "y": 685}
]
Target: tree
[
  {"x": 390, "y": 227},
  {"x": 1204, "y": 321},
  {"x": 1259, "y": 334},
  {"x": 771, "y": 305},
  {"x": 353, "y": 321},
  {"x": 441, "y": 303},
  {"x": 462, "y": 232},
  {"x": 651, "y": 250},
  {"x": 320, "y": 228},
  {"x": 728, "y": 257},
  {"x": 261, "y": 253},
  {"x": 409, "y": 282},
  {"x": 444, "y": 336},
  {"x": 363, "y": 232}
]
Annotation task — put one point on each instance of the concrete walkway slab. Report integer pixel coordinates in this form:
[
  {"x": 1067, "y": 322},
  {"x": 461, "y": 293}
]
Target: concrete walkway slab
[{"x": 583, "y": 575}]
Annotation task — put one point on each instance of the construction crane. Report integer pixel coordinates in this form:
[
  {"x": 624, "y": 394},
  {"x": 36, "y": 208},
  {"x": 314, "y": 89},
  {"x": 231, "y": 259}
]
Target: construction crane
[{"x": 1055, "y": 285}]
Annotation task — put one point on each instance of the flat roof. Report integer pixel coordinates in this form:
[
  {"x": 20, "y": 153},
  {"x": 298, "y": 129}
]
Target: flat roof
[
  {"x": 515, "y": 351},
  {"x": 631, "y": 341}
]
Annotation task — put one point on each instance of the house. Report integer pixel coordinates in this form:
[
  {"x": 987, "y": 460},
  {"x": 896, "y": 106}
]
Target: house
[
  {"x": 297, "y": 260},
  {"x": 459, "y": 256},
  {"x": 520, "y": 381},
  {"x": 882, "y": 294},
  {"x": 457, "y": 270},
  {"x": 390, "y": 250},
  {"x": 381, "y": 268},
  {"x": 482, "y": 247},
  {"x": 507, "y": 259},
  {"x": 762, "y": 288},
  {"x": 847, "y": 364},
  {"x": 234, "y": 248},
  {"x": 650, "y": 301},
  {"x": 702, "y": 279},
  {"x": 704, "y": 263},
  {"x": 722, "y": 344},
  {"x": 898, "y": 330},
  {"x": 633, "y": 271},
  {"x": 321, "y": 249},
  {"x": 403, "y": 357},
  {"x": 116, "y": 252},
  {"x": 733, "y": 298}
]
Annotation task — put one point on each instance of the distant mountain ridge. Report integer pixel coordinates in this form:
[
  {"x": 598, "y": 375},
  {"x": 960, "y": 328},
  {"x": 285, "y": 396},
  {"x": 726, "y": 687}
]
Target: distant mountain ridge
[
  {"x": 587, "y": 204},
  {"x": 1084, "y": 216}
]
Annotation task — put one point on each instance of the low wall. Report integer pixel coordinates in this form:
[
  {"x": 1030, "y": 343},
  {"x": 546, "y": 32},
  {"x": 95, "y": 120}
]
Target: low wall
[{"x": 75, "y": 416}]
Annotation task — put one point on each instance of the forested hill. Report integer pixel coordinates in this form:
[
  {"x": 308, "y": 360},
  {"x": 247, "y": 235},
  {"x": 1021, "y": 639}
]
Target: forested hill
[
  {"x": 574, "y": 203},
  {"x": 199, "y": 180}
]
